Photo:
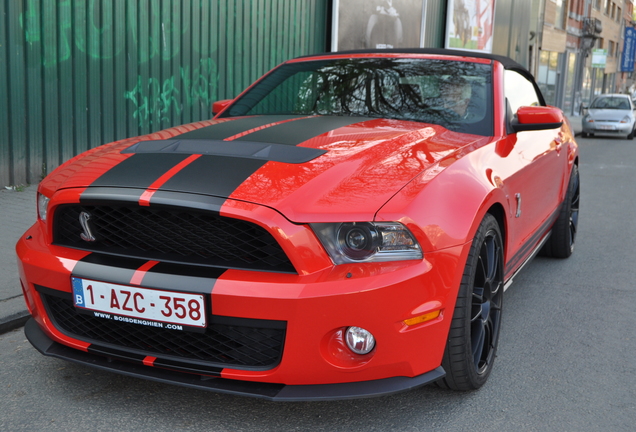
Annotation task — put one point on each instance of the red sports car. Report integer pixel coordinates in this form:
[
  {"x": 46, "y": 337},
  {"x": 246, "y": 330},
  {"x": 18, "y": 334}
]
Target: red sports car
[{"x": 346, "y": 227}]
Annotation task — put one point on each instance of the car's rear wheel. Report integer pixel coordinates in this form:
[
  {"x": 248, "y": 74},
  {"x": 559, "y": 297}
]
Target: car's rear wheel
[
  {"x": 561, "y": 241},
  {"x": 474, "y": 333}
]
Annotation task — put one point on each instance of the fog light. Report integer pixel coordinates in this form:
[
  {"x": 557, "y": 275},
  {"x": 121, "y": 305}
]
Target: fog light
[{"x": 359, "y": 340}]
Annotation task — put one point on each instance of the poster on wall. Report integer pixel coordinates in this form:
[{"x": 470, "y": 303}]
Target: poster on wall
[
  {"x": 470, "y": 25},
  {"x": 377, "y": 24}
]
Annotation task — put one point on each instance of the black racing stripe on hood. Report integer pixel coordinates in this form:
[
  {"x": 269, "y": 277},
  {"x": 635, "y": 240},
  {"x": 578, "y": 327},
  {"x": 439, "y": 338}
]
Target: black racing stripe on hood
[
  {"x": 226, "y": 129},
  {"x": 139, "y": 170},
  {"x": 103, "y": 195},
  {"x": 299, "y": 131},
  {"x": 213, "y": 175}
]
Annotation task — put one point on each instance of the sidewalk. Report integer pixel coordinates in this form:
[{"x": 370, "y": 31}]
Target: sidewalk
[{"x": 17, "y": 214}]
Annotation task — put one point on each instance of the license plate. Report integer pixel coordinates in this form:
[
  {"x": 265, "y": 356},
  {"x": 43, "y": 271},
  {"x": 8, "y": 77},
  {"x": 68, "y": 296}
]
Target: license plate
[
  {"x": 606, "y": 127},
  {"x": 136, "y": 305}
]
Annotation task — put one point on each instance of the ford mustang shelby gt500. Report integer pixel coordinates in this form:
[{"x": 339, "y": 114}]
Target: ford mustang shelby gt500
[{"x": 345, "y": 227}]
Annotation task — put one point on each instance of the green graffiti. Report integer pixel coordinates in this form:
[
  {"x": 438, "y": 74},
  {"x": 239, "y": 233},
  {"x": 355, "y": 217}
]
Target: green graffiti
[
  {"x": 156, "y": 101},
  {"x": 90, "y": 27},
  {"x": 30, "y": 22},
  {"x": 201, "y": 86},
  {"x": 93, "y": 43},
  {"x": 53, "y": 52}
]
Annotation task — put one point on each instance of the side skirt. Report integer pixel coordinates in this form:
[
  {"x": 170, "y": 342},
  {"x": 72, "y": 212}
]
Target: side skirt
[{"x": 534, "y": 253}]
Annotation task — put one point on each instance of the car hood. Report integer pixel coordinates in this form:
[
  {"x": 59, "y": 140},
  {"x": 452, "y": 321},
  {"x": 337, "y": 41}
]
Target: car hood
[
  {"x": 609, "y": 114},
  {"x": 310, "y": 169}
]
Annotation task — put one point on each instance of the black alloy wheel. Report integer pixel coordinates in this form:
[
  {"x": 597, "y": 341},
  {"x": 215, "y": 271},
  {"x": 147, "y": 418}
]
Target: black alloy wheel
[
  {"x": 563, "y": 236},
  {"x": 474, "y": 334}
]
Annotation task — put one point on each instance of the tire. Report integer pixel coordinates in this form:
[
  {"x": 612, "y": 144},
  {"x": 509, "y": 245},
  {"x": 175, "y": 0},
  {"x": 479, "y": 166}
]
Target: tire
[
  {"x": 561, "y": 241},
  {"x": 474, "y": 333},
  {"x": 583, "y": 134},
  {"x": 631, "y": 135}
]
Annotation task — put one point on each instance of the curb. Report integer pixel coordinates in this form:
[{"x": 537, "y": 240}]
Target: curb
[{"x": 14, "y": 321}]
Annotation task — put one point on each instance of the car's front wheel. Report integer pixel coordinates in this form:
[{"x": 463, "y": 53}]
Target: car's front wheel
[{"x": 474, "y": 333}]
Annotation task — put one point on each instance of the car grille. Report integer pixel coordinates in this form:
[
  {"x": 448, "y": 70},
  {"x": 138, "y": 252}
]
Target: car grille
[
  {"x": 256, "y": 345},
  {"x": 171, "y": 234}
]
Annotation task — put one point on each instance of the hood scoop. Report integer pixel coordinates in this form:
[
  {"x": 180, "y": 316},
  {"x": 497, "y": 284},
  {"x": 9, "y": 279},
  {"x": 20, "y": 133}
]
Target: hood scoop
[{"x": 243, "y": 149}]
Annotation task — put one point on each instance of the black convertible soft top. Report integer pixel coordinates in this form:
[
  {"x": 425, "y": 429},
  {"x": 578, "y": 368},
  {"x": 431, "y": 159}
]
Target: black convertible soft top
[{"x": 507, "y": 62}]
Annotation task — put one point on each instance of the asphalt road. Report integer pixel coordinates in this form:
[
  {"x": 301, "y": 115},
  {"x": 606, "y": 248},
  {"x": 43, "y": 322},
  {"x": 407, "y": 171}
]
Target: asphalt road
[{"x": 567, "y": 357}]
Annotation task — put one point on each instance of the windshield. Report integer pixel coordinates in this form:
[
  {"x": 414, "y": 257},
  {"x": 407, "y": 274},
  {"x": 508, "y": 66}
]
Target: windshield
[
  {"x": 618, "y": 103},
  {"x": 454, "y": 94}
]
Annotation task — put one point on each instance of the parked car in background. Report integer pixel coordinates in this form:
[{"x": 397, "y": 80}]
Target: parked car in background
[
  {"x": 610, "y": 114},
  {"x": 346, "y": 227}
]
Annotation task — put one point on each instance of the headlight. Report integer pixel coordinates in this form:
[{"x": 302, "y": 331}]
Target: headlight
[
  {"x": 626, "y": 119},
  {"x": 367, "y": 241},
  {"x": 43, "y": 205}
]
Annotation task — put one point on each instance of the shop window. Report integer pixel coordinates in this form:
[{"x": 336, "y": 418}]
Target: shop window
[
  {"x": 569, "y": 96},
  {"x": 547, "y": 78}
]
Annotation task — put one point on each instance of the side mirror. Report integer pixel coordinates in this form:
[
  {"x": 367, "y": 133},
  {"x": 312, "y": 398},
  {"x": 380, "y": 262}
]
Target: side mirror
[
  {"x": 532, "y": 118},
  {"x": 219, "y": 106}
]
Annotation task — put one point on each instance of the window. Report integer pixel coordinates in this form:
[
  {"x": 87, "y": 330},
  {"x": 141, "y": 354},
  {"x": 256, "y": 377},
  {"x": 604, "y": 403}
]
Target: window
[
  {"x": 597, "y": 4},
  {"x": 610, "y": 48},
  {"x": 519, "y": 91},
  {"x": 559, "y": 18},
  {"x": 619, "y": 14},
  {"x": 607, "y": 6},
  {"x": 454, "y": 94}
]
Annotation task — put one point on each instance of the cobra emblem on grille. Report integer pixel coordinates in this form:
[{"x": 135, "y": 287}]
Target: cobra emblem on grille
[{"x": 87, "y": 235}]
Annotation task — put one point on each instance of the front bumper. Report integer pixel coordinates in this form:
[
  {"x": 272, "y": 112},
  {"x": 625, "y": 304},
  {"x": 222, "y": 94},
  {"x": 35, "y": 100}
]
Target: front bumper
[
  {"x": 270, "y": 391},
  {"x": 316, "y": 307}
]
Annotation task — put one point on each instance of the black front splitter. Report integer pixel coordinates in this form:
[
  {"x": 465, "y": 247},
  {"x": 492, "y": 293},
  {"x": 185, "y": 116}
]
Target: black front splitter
[{"x": 274, "y": 392}]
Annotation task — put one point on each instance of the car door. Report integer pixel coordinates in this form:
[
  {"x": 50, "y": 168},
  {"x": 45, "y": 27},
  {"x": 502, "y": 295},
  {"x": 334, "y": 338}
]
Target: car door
[{"x": 535, "y": 165}]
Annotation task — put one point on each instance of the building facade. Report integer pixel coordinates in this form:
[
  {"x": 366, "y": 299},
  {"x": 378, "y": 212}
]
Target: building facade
[{"x": 581, "y": 47}]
